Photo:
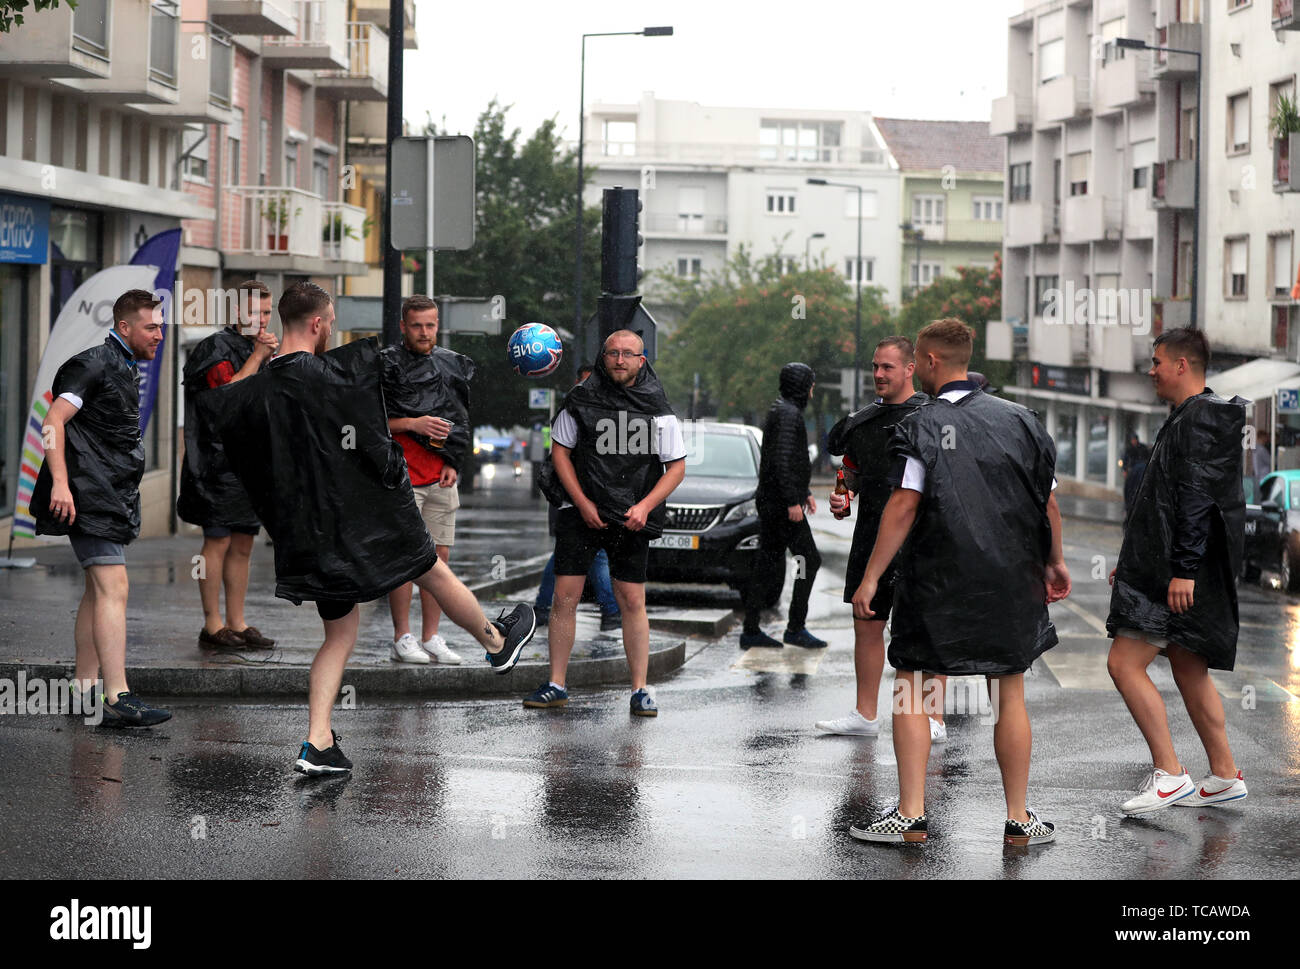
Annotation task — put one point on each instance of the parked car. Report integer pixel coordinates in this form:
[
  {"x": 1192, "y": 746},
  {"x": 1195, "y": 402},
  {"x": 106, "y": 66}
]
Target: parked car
[
  {"x": 1273, "y": 528},
  {"x": 711, "y": 530}
]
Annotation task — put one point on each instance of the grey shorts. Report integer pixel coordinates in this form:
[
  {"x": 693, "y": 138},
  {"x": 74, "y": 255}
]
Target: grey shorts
[
  {"x": 91, "y": 550},
  {"x": 438, "y": 509},
  {"x": 1151, "y": 639}
]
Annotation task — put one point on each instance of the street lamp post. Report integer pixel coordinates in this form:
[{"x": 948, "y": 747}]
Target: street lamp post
[
  {"x": 857, "y": 278},
  {"x": 807, "y": 258},
  {"x": 582, "y": 125},
  {"x": 1132, "y": 43}
]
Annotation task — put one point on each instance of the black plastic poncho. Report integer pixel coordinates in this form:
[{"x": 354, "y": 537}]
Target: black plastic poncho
[
  {"x": 210, "y": 493},
  {"x": 104, "y": 450},
  {"x": 863, "y": 437},
  {"x": 616, "y": 458},
  {"x": 434, "y": 384},
  {"x": 1187, "y": 522},
  {"x": 308, "y": 438},
  {"x": 971, "y": 596}
]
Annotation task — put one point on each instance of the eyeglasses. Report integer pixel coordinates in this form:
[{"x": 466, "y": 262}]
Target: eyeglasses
[{"x": 617, "y": 354}]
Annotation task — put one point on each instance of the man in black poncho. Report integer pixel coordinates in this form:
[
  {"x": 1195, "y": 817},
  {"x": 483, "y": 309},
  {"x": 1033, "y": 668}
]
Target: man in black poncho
[
  {"x": 211, "y": 496},
  {"x": 974, "y": 475},
  {"x": 308, "y": 438},
  {"x": 618, "y": 453},
  {"x": 1174, "y": 589}
]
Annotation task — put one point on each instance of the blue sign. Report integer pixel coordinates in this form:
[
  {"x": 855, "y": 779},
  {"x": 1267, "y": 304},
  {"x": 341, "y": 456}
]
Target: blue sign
[
  {"x": 24, "y": 229},
  {"x": 1288, "y": 400}
]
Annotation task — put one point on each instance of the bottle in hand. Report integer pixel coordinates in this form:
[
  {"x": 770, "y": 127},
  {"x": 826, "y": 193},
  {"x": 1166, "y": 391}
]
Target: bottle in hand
[{"x": 841, "y": 489}]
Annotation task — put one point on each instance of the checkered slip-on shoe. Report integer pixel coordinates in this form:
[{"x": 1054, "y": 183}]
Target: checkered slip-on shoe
[
  {"x": 1031, "y": 832},
  {"x": 892, "y": 827}
]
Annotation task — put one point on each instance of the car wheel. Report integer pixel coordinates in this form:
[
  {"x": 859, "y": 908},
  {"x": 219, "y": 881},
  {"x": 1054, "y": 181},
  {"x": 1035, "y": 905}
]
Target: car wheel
[{"x": 1288, "y": 573}]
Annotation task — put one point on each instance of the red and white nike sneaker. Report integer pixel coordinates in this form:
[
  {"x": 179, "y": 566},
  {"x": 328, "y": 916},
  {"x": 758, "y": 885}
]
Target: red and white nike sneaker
[
  {"x": 1160, "y": 790},
  {"x": 1216, "y": 790}
]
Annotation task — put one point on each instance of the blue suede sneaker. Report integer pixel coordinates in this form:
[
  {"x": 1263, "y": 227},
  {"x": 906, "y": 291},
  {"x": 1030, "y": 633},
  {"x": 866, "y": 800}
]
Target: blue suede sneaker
[
  {"x": 643, "y": 704},
  {"x": 802, "y": 637},
  {"x": 546, "y": 696}
]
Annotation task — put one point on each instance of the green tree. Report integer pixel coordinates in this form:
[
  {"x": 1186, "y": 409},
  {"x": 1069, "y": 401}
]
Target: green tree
[
  {"x": 523, "y": 253},
  {"x": 11, "y": 11}
]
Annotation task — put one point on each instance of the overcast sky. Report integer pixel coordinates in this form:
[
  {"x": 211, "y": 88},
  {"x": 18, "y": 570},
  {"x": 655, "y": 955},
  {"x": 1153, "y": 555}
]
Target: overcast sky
[{"x": 934, "y": 59}]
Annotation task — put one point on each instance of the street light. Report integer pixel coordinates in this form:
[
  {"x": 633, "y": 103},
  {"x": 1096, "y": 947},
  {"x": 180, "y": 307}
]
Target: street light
[
  {"x": 1132, "y": 43},
  {"x": 807, "y": 260},
  {"x": 582, "y": 125},
  {"x": 857, "y": 277}
]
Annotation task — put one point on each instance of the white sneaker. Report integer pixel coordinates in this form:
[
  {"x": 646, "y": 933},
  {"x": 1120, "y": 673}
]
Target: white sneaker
[
  {"x": 1160, "y": 790},
  {"x": 938, "y": 732},
  {"x": 437, "y": 647},
  {"x": 1214, "y": 789},
  {"x": 854, "y": 725},
  {"x": 407, "y": 650}
]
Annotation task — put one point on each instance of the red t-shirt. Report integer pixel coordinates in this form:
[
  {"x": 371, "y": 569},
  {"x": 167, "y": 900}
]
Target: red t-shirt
[{"x": 424, "y": 465}]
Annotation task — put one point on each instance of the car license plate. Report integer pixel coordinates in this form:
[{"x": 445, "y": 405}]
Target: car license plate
[{"x": 681, "y": 543}]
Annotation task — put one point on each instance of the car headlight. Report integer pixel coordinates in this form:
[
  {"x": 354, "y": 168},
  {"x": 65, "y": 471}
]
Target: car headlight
[{"x": 746, "y": 509}]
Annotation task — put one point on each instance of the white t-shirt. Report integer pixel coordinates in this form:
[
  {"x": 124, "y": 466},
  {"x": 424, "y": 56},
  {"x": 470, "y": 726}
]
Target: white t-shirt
[{"x": 669, "y": 443}]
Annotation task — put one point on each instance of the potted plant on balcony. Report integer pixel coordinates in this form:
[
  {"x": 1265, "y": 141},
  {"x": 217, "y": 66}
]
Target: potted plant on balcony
[
  {"x": 277, "y": 213},
  {"x": 333, "y": 234},
  {"x": 1285, "y": 125}
]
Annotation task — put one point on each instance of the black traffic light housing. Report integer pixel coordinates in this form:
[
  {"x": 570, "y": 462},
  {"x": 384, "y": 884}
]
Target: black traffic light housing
[{"x": 619, "y": 307}]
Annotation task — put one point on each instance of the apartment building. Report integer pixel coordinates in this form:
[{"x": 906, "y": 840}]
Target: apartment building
[
  {"x": 951, "y": 196},
  {"x": 714, "y": 178}
]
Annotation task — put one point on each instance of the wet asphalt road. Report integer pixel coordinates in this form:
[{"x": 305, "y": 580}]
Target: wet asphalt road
[{"x": 730, "y": 781}]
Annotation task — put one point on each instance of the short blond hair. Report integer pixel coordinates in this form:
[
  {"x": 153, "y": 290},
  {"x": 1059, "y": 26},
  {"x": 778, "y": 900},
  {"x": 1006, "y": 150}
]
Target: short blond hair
[{"x": 949, "y": 339}]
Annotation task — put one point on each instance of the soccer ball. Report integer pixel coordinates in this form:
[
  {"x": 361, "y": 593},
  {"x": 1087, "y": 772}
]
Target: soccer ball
[{"x": 535, "y": 350}]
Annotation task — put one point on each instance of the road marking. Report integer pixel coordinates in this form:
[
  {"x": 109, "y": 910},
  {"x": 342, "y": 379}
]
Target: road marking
[
  {"x": 1078, "y": 671},
  {"x": 764, "y": 659},
  {"x": 1087, "y": 617}
]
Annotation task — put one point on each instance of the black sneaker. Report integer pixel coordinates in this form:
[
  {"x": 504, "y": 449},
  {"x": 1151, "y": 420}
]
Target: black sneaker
[
  {"x": 131, "y": 711},
  {"x": 517, "y": 629},
  {"x": 892, "y": 827},
  {"x": 759, "y": 638},
  {"x": 314, "y": 762},
  {"x": 610, "y": 621},
  {"x": 802, "y": 637}
]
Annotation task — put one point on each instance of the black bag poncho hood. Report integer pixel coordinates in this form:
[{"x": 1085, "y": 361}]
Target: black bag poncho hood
[
  {"x": 1187, "y": 521},
  {"x": 308, "y": 438},
  {"x": 211, "y": 494},
  {"x": 866, "y": 433},
  {"x": 971, "y": 596},
  {"x": 434, "y": 383},
  {"x": 617, "y": 478},
  {"x": 104, "y": 450}
]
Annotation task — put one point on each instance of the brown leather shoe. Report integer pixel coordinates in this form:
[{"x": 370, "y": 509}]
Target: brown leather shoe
[
  {"x": 224, "y": 638},
  {"x": 254, "y": 639}
]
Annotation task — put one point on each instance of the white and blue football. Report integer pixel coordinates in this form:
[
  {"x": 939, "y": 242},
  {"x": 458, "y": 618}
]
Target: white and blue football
[{"x": 535, "y": 350}]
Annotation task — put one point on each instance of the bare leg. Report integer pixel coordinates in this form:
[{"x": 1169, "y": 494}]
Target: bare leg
[
  {"x": 1127, "y": 665},
  {"x": 1204, "y": 706},
  {"x": 868, "y": 663},
  {"x": 460, "y": 605},
  {"x": 399, "y": 604},
  {"x": 911, "y": 741},
  {"x": 327, "y": 676},
  {"x": 937, "y": 685},
  {"x": 109, "y": 628},
  {"x": 1012, "y": 740},
  {"x": 564, "y": 622},
  {"x": 235, "y": 575},
  {"x": 430, "y": 611},
  {"x": 636, "y": 630},
  {"x": 214, "y": 562},
  {"x": 87, "y": 670}
]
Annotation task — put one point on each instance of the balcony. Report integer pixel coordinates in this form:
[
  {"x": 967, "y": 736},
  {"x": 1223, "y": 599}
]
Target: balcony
[
  {"x": 1091, "y": 218},
  {"x": 1139, "y": 217},
  {"x": 205, "y": 78},
  {"x": 376, "y": 12},
  {"x": 978, "y": 231},
  {"x": 343, "y": 231},
  {"x": 1284, "y": 15},
  {"x": 60, "y": 43},
  {"x": 1062, "y": 99},
  {"x": 1173, "y": 184},
  {"x": 259, "y": 18},
  {"x": 320, "y": 42},
  {"x": 282, "y": 228},
  {"x": 1286, "y": 163},
  {"x": 1029, "y": 223},
  {"x": 1124, "y": 79},
  {"x": 1185, "y": 36},
  {"x": 1011, "y": 113},
  {"x": 632, "y": 154},
  {"x": 687, "y": 226},
  {"x": 366, "y": 78},
  {"x": 131, "y": 77}
]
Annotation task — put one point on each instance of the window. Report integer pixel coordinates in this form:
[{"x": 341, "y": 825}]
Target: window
[
  {"x": 1020, "y": 182},
  {"x": 780, "y": 202},
  {"x": 320, "y": 172},
  {"x": 1144, "y": 156},
  {"x": 1042, "y": 285},
  {"x": 234, "y": 148},
  {"x": 196, "y": 142},
  {"x": 1079, "y": 163},
  {"x": 688, "y": 266},
  {"x": 868, "y": 204},
  {"x": 690, "y": 209},
  {"x": 987, "y": 208},
  {"x": 1275, "y": 92},
  {"x": 264, "y": 147},
  {"x": 1239, "y": 123},
  {"x": 1187, "y": 135},
  {"x": 928, "y": 271},
  {"x": 1281, "y": 337},
  {"x": 1236, "y": 259},
  {"x": 290, "y": 163},
  {"x": 1051, "y": 60},
  {"x": 799, "y": 140},
  {"x": 1106, "y": 299},
  {"x": 927, "y": 210},
  {"x": 867, "y": 270},
  {"x": 1183, "y": 284},
  {"x": 1237, "y": 4},
  {"x": 618, "y": 138},
  {"x": 1281, "y": 249},
  {"x": 785, "y": 265}
]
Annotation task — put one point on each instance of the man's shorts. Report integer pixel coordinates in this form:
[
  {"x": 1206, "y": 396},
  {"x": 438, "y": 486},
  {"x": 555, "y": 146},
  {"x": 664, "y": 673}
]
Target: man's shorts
[
  {"x": 438, "y": 509},
  {"x": 576, "y": 546},
  {"x": 1151, "y": 639},
  {"x": 220, "y": 531},
  {"x": 883, "y": 601},
  {"x": 91, "y": 550},
  {"x": 332, "y": 609}
]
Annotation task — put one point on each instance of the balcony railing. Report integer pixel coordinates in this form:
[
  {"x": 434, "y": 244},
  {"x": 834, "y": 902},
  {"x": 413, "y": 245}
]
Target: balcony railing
[
  {"x": 366, "y": 76},
  {"x": 274, "y": 220},
  {"x": 90, "y": 31},
  {"x": 707, "y": 153},
  {"x": 344, "y": 227},
  {"x": 1284, "y": 16},
  {"x": 310, "y": 17},
  {"x": 164, "y": 31},
  {"x": 687, "y": 225}
]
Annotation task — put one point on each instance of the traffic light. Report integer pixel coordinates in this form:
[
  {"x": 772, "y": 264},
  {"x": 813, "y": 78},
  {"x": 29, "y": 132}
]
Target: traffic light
[{"x": 619, "y": 241}]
